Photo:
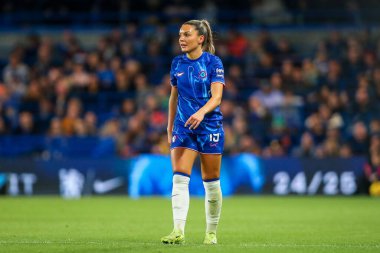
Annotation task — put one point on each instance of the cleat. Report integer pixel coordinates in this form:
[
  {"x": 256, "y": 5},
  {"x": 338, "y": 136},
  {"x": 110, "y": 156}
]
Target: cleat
[
  {"x": 210, "y": 238},
  {"x": 175, "y": 237}
]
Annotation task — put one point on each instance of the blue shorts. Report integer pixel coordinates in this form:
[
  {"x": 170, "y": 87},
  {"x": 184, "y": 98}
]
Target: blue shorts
[{"x": 212, "y": 143}]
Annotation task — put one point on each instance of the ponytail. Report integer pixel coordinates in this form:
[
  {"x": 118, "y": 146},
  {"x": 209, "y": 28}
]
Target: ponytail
[
  {"x": 208, "y": 45},
  {"x": 203, "y": 27}
]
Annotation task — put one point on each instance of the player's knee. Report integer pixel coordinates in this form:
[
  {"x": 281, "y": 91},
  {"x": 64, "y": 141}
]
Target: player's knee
[
  {"x": 181, "y": 171},
  {"x": 211, "y": 175}
]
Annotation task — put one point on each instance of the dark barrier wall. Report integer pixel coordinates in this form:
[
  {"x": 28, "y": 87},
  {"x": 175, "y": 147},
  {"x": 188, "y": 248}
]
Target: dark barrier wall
[{"x": 148, "y": 175}]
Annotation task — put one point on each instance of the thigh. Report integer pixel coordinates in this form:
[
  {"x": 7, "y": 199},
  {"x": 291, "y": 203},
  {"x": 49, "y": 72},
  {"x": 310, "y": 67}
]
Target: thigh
[
  {"x": 183, "y": 159},
  {"x": 210, "y": 164},
  {"x": 184, "y": 140}
]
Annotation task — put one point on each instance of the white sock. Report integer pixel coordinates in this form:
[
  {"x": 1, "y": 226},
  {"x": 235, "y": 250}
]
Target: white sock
[
  {"x": 213, "y": 204},
  {"x": 180, "y": 201}
]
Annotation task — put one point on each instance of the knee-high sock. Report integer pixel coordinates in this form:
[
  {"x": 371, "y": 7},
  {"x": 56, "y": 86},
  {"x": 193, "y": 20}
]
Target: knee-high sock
[
  {"x": 180, "y": 200},
  {"x": 213, "y": 204}
]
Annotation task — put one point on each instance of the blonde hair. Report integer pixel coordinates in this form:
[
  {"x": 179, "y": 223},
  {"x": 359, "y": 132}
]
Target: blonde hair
[{"x": 203, "y": 27}]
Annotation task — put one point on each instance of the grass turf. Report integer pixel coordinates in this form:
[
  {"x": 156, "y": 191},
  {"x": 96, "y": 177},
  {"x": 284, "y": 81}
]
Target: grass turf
[{"x": 248, "y": 224}]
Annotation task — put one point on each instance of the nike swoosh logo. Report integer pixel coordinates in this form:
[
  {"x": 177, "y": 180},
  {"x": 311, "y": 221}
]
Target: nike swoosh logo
[
  {"x": 175, "y": 195},
  {"x": 212, "y": 201},
  {"x": 108, "y": 185},
  {"x": 180, "y": 74}
]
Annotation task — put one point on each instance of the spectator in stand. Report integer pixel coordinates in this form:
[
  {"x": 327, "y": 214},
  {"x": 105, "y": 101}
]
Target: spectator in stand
[
  {"x": 236, "y": 76},
  {"x": 333, "y": 78},
  {"x": 345, "y": 151},
  {"x": 127, "y": 110},
  {"x": 252, "y": 56},
  {"x": 306, "y": 149},
  {"x": 154, "y": 62},
  {"x": 79, "y": 128},
  {"x": 321, "y": 60},
  {"x": 268, "y": 96},
  {"x": 265, "y": 67},
  {"x": 55, "y": 129},
  {"x": 90, "y": 122},
  {"x": 44, "y": 57},
  {"x": 359, "y": 140},
  {"x": 227, "y": 108},
  {"x": 107, "y": 79},
  {"x": 79, "y": 79},
  {"x": 135, "y": 139},
  {"x": 16, "y": 75},
  {"x": 284, "y": 50},
  {"x": 372, "y": 166},
  {"x": 73, "y": 113},
  {"x": 336, "y": 45},
  {"x": 237, "y": 44},
  {"x": 287, "y": 67},
  {"x": 274, "y": 149},
  {"x": 44, "y": 115},
  {"x": 309, "y": 73},
  {"x": 362, "y": 108},
  {"x": 315, "y": 126},
  {"x": 374, "y": 126},
  {"x": 259, "y": 119},
  {"x": 26, "y": 124}
]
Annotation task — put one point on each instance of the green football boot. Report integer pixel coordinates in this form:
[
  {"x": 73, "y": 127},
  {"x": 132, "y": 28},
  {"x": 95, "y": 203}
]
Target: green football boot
[
  {"x": 175, "y": 237},
  {"x": 210, "y": 238}
]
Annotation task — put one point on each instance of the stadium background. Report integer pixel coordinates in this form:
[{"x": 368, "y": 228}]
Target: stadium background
[
  {"x": 84, "y": 91},
  {"x": 83, "y": 106}
]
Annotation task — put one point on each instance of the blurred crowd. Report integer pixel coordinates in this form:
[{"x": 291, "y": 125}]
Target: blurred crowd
[
  {"x": 278, "y": 100},
  {"x": 227, "y": 12}
]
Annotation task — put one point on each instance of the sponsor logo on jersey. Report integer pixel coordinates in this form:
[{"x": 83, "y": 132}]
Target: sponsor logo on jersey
[
  {"x": 174, "y": 138},
  {"x": 180, "y": 74},
  {"x": 219, "y": 72}
]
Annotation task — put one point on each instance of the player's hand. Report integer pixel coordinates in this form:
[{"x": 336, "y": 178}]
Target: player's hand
[
  {"x": 195, "y": 120},
  {"x": 170, "y": 135}
]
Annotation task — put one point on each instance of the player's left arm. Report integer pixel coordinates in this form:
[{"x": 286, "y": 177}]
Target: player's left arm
[{"x": 212, "y": 103}]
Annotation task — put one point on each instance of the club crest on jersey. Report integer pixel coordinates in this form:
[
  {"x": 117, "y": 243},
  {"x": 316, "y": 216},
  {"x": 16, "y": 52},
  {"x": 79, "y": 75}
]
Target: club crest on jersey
[{"x": 203, "y": 74}]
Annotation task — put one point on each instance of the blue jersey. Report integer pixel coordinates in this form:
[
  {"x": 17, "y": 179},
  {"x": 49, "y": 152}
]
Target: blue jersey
[{"x": 193, "y": 78}]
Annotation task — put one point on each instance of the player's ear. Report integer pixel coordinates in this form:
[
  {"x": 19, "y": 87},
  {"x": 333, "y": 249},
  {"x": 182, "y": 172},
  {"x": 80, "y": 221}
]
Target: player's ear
[{"x": 201, "y": 39}]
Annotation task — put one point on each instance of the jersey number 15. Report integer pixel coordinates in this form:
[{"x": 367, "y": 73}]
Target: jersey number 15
[{"x": 214, "y": 137}]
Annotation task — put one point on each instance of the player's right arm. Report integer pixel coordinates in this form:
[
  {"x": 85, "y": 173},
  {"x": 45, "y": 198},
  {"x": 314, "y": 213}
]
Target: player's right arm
[{"x": 173, "y": 100}]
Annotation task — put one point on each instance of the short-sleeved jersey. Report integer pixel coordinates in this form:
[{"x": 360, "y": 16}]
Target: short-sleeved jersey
[{"x": 193, "y": 78}]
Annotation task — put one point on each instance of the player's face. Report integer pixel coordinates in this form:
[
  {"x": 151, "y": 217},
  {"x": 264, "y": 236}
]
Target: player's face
[{"x": 189, "y": 39}]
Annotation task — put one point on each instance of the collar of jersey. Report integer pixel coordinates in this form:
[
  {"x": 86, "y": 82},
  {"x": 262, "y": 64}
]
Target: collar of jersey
[{"x": 188, "y": 59}]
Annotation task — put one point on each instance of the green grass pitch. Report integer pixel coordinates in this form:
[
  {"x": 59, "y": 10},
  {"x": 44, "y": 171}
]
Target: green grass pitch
[{"x": 248, "y": 224}]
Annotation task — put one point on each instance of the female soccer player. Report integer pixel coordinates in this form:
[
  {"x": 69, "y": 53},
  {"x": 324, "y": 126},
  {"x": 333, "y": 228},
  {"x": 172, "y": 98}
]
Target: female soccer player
[{"x": 195, "y": 126}]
